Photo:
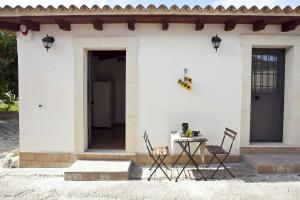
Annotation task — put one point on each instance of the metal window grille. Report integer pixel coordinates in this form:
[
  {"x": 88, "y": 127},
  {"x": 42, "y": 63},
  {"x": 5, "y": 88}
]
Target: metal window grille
[{"x": 265, "y": 73}]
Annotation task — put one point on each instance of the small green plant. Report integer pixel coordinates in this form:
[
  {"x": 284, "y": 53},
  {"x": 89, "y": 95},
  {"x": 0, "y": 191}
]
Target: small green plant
[
  {"x": 9, "y": 107},
  {"x": 189, "y": 133}
]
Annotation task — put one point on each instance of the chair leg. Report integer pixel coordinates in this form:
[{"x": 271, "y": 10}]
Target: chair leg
[
  {"x": 162, "y": 168},
  {"x": 152, "y": 174},
  {"x": 153, "y": 164},
  {"x": 222, "y": 164},
  {"x": 165, "y": 165},
  {"x": 212, "y": 176},
  {"x": 233, "y": 176},
  {"x": 158, "y": 163},
  {"x": 225, "y": 167},
  {"x": 210, "y": 161}
]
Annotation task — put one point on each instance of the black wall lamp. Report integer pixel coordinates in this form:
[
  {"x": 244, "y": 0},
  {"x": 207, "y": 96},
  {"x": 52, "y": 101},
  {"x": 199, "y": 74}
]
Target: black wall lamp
[
  {"x": 48, "y": 41},
  {"x": 216, "y": 41}
]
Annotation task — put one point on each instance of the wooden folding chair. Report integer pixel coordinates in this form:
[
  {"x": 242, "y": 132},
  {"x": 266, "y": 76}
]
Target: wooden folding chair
[
  {"x": 216, "y": 150},
  {"x": 158, "y": 155}
]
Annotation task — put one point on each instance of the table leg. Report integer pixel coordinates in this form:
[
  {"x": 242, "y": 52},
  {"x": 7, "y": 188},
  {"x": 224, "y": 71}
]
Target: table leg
[
  {"x": 194, "y": 162},
  {"x": 184, "y": 150},
  {"x": 179, "y": 155},
  {"x": 188, "y": 153}
]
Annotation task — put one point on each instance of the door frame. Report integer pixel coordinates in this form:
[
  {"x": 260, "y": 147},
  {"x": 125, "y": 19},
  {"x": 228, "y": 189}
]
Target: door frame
[
  {"x": 81, "y": 46},
  {"x": 292, "y": 73},
  {"x": 282, "y": 83},
  {"x": 90, "y": 89}
]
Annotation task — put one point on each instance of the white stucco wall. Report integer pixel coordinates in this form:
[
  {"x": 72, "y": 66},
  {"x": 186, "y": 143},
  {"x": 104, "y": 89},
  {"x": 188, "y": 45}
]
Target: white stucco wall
[{"x": 162, "y": 105}]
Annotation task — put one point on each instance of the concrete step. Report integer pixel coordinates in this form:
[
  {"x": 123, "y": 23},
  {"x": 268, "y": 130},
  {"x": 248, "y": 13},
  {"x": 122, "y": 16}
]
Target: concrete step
[
  {"x": 274, "y": 163},
  {"x": 98, "y": 170}
]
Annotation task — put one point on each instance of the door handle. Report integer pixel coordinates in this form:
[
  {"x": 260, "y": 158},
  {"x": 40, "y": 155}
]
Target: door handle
[{"x": 256, "y": 97}]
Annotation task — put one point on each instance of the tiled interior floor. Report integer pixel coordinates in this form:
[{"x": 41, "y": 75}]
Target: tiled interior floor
[{"x": 108, "y": 138}]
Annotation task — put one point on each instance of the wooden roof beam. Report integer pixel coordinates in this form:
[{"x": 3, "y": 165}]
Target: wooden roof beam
[
  {"x": 230, "y": 25},
  {"x": 199, "y": 25},
  {"x": 289, "y": 26},
  {"x": 30, "y": 25},
  {"x": 63, "y": 25},
  {"x": 97, "y": 24},
  {"x": 164, "y": 25},
  {"x": 131, "y": 25},
  {"x": 9, "y": 26},
  {"x": 260, "y": 25}
]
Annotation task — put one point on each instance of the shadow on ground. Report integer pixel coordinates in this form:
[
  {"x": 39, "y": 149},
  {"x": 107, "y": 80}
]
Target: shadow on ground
[{"x": 242, "y": 171}]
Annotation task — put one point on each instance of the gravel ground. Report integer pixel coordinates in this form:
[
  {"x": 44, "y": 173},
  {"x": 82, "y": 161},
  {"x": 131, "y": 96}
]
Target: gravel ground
[
  {"x": 9, "y": 137},
  {"x": 48, "y": 184}
]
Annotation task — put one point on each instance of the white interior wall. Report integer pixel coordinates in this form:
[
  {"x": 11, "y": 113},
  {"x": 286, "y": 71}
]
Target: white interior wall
[
  {"x": 111, "y": 69},
  {"x": 214, "y": 102}
]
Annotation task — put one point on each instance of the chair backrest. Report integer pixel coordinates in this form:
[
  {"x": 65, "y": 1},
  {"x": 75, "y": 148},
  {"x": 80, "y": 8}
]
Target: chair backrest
[
  {"x": 148, "y": 144},
  {"x": 229, "y": 133}
]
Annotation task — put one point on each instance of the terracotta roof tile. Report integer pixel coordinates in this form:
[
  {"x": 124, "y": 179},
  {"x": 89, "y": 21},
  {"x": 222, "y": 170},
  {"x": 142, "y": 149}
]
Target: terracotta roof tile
[
  {"x": 140, "y": 8},
  {"x": 242, "y": 9},
  {"x": 73, "y": 8},
  {"x": 151, "y": 9},
  {"x": 220, "y": 8}
]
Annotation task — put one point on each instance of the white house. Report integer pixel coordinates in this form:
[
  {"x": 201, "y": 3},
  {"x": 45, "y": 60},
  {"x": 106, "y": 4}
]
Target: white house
[{"x": 112, "y": 73}]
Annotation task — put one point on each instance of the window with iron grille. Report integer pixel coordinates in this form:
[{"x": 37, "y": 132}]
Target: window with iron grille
[{"x": 265, "y": 73}]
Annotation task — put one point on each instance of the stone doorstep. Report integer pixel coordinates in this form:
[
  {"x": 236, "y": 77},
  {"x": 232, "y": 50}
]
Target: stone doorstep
[
  {"x": 274, "y": 163},
  {"x": 269, "y": 150},
  {"x": 92, "y": 170}
]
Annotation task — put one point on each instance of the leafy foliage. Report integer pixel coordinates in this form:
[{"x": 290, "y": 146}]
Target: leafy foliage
[
  {"x": 9, "y": 107},
  {"x": 8, "y": 68}
]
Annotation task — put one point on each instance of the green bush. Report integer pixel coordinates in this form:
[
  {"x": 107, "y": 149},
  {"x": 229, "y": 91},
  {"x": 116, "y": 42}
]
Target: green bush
[
  {"x": 9, "y": 107},
  {"x": 8, "y": 68}
]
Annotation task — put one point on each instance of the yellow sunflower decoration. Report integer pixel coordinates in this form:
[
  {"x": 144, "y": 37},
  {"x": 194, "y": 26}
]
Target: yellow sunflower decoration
[{"x": 186, "y": 82}]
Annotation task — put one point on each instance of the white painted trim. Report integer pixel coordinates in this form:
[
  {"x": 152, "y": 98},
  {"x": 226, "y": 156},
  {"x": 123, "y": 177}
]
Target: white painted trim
[
  {"x": 292, "y": 98},
  {"x": 81, "y": 46}
]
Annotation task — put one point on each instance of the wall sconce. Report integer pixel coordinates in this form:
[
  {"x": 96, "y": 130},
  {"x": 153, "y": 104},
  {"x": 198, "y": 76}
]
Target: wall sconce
[
  {"x": 216, "y": 41},
  {"x": 24, "y": 29},
  {"x": 48, "y": 41}
]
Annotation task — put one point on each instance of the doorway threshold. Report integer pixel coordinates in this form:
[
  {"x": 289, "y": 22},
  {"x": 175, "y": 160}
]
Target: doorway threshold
[
  {"x": 269, "y": 144},
  {"x": 103, "y": 154},
  {"x": 107, "y": 152},
  {"x": 269, "y": 147}
]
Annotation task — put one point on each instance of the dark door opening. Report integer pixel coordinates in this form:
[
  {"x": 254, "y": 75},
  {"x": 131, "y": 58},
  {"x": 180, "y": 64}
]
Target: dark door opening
[
  {"x": 267, "y": 95},
  {"x": 106, "y": 99}
]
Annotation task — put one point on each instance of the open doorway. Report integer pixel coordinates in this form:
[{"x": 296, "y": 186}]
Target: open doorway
[{"x": 106, "y": 99}]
